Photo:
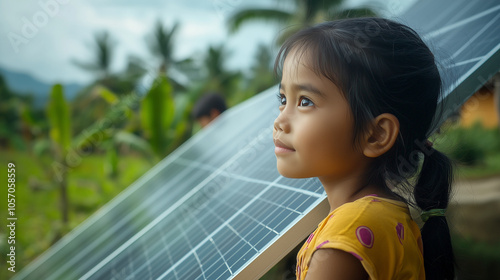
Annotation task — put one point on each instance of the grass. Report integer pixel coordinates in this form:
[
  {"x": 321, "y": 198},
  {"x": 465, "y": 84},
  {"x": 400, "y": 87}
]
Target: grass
[{"x": 37, "y": 199}]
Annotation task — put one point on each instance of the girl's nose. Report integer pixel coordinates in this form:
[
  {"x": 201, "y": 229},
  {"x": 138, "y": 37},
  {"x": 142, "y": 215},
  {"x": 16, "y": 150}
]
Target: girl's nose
[{"x": 281, "y": 123}]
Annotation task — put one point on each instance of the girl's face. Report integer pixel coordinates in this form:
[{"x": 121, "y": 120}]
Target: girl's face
[{"x": 314, "y": 130}]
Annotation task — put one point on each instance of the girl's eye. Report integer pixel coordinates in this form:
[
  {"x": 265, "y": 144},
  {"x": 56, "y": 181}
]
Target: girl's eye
[
  {"x": 281, "y": 99},
  {"x": 305, "y": 102}
]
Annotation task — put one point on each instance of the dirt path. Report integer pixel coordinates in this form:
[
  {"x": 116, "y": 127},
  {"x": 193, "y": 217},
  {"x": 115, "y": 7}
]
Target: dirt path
[
  {"x": 477, "y": 191},
  {"x": 475, "y": 209}
]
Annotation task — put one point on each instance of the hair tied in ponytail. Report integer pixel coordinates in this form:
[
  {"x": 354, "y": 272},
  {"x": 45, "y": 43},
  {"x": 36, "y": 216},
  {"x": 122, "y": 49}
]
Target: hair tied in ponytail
[
  {"x": 425, "y": 215},
  {"x": 428, "y": 144}
]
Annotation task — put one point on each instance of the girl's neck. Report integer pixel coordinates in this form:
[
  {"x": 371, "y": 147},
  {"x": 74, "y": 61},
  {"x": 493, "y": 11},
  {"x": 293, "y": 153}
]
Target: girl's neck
[{"x": 347, "y": 190}]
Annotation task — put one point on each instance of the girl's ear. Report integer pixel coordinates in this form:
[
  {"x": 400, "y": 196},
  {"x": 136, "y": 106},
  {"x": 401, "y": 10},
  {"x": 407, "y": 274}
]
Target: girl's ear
[{"x": 381, "y": 136}]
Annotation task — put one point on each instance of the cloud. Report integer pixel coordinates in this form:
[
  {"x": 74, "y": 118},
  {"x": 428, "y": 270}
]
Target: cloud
[{"x": 67, "y": 30}]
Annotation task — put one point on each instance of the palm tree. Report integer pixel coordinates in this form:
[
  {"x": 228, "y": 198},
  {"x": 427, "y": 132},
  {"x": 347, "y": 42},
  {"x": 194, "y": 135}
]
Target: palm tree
[
  {"x": 305, "y": 13},
  {"x": 103, "y": 49},
  {"x": 218, "y": 78},
  {"x": 161, "y": 45}
]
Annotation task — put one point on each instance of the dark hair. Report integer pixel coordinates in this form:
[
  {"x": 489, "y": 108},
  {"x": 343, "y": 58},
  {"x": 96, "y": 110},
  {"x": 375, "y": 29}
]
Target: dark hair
[
  {"x": 382, "y": 66},
  {"x": 206, "y": 103}
]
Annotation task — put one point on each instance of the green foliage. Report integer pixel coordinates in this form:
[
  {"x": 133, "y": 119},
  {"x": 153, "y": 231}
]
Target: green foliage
[
  {"x": 475, "y": 149},
  {"x": 218, "y": 78},
  {"x": 15, "y": 116},
  {"x": 113, "y": 117},
  {"x": 262, "y": 70},
  {"x": 240, "y": 17},
  {"x": 39, "y": 219},
  {"x": 59, "y": 118},
  {"x": 157, "y": 115},
  {"x": 470, "y": 145},
  {"x": 109, "y": 136},
  {"x": 5, "y": 93}
]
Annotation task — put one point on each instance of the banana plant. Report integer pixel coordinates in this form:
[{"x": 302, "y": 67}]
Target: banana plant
[
  {"x": 60, "y": 134},
  {"x": 112, "y": 138},
  {"x": 165, "y": 119},
  {"x": 101, "y": 135},
  {"x": 157, "y": 115},
  {"x": 165, "y": 123}
]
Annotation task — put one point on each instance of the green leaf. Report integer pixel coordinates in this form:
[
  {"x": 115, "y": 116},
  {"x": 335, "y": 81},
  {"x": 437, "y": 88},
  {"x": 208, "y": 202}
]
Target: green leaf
[
  {"x": 41, "y": 147},
  {"x": 107, "y": 95},
  {"x": 133, "y": 141},
  {"x": 58, "y": 115},
  {"x": 157, "y": 114},
  {"x": 182, "y": 108}
]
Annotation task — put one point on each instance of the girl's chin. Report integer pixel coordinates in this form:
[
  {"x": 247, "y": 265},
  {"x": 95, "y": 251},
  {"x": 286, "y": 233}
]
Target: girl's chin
[{"x": 293, "y": 174}]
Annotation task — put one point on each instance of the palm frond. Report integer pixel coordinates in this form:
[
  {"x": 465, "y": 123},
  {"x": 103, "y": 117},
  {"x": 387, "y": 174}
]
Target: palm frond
[
  {"x": 104, "y": 50},
  {"x": 85, "y": 66},
  {"x": 235, "y": 21}
]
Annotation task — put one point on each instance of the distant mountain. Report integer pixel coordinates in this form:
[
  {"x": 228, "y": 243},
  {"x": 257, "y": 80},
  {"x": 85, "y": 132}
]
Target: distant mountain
[{"x": 26, "y": 84}]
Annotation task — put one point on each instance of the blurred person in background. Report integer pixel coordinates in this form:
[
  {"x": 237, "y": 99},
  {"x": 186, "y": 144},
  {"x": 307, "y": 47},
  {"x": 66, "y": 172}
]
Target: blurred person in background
[{"x": 208, "y": 108}]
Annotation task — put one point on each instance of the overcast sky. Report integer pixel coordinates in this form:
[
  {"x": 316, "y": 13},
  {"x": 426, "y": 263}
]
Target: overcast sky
[{"x": 41, "y": 37}]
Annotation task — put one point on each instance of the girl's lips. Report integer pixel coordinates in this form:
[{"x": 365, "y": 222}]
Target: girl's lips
[{"x": 281, "y": 147}]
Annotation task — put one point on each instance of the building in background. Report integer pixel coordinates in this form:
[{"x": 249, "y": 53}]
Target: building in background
[{"x": 483, "y": 106}]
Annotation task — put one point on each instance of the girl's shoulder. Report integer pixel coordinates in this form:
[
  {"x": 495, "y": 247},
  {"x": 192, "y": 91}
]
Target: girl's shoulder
[
  {"x": 378, "y": 231},
  {"x": 369, "y": 212}
]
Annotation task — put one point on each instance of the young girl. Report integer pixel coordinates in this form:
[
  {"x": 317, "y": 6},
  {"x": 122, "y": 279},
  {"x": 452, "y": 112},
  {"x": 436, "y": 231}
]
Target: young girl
[{"x": 357, "y": 99}]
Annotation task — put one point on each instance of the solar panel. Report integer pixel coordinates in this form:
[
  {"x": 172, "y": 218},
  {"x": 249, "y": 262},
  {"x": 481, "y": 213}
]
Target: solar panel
[
  {"x": 464, "y": 36},
  {"x": 217, "y": 208}
]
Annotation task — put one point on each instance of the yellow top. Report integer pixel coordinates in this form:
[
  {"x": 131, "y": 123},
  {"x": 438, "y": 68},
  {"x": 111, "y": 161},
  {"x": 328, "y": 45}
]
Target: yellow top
[{"x": 378, "y": 231}]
